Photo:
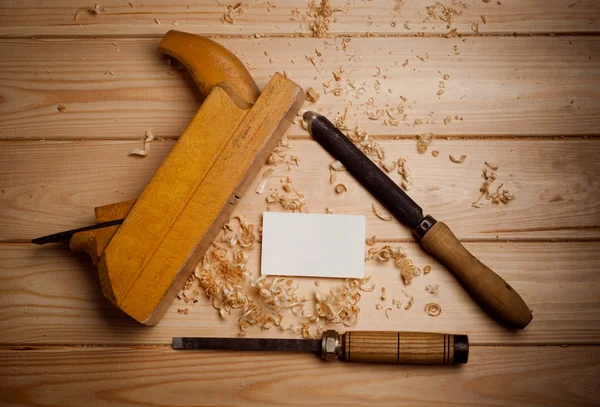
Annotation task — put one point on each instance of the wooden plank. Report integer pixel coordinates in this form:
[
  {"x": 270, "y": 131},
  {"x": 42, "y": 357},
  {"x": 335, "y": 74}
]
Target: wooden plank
[
  {"x": 52, "y": 296},
  {"x": 118, "y": 88},
  {"x": 515, "y": 376},
  {"x": 46, "y": 187},
  {"x": 34, "y": 17}
]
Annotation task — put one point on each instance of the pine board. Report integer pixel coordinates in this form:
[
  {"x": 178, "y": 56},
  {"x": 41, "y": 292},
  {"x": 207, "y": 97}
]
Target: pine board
[
  {"x": 353, "y": 17},
  {"x": 515, "y": 376},
  {"x": 500, "y": 86},
  {"x": 52, "y": 296},
  {"x": 46, "y": 187}
]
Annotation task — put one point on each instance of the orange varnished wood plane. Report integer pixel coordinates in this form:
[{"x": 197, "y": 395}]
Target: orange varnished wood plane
[{"x": 146, "y": 248}]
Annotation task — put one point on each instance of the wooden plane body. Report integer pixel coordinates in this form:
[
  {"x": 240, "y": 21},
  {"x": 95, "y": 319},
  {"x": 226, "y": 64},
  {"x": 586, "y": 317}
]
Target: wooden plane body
[{"x": 144, "y": 262}]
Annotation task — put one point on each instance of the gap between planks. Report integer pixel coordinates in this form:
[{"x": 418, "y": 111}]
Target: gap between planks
[{"x": 267, "y": 36}]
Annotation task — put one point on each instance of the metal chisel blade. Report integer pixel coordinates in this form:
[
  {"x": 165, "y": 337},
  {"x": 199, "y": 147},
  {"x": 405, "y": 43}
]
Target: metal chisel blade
[{"x": 297, "y": 345}]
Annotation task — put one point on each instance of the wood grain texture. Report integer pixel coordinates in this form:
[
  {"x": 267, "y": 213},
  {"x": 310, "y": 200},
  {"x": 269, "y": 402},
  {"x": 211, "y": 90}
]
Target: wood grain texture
[
  {"x": 486, "y": 287},
  {"x": 515, "y": 376},
  {"x": 119, "y": 88},
  {"x": 428, "y": 348},
  {"x": 51, "y": 296},
  {"x": 34, "y": 17},
  {"x": 554, "y": 181}
]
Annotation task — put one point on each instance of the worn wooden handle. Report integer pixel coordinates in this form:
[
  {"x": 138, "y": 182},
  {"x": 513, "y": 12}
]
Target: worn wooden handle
[
  {"x": 405, "y": 347},
  {"x": 490, "y": 291}
]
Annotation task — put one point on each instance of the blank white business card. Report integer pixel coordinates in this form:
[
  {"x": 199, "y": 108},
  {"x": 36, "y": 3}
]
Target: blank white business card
[{"x": 313, "y": 245}]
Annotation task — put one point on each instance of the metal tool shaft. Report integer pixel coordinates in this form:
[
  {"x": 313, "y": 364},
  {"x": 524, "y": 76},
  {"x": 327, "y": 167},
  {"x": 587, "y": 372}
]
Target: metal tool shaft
[{"x": 364, "y": 170}]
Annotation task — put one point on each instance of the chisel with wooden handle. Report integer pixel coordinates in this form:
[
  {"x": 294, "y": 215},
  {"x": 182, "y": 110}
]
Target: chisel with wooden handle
[
  {"x": 490, "y": 291},
  {"x": 354, "y": 346}
]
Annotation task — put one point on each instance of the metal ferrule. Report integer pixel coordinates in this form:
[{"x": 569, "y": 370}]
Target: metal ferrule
[{"x": 330, "y": 347}]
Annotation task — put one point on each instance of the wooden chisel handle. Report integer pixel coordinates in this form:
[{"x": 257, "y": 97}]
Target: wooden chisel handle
[
  {"x": 486, "y": 287},
  {"x": 490, "y": 291},
  {"x": 396, "y": 347}
]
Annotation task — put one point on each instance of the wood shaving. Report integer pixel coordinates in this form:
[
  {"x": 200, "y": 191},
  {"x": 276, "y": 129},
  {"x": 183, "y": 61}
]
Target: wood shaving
[
  {"x": 341, "y": 304},
  {"x": 484, "y": 19},
  {"x": 371, "y": 241},
  {"x": 423, "y": 142},
  {"x": 263, "y": 181},
  {"x": 432, "y": 309},
  {"x": 320, "y": 17},
  {"x": 492, "y": 166},
  {"x": 340, "y": 188},
  {"x": 411, "y": 300},
  {"x": 328, "y": 210},
  {"x": 459, "y": 160},
  {"x": 447, "y": 120},
  {"x": 404, "y": 172},
  {"x": 294, "y": 203},
  {"x": 426, "y": 269},
  {"x": 61, "y": 108},
  {"x": 435, "y": 153},
  {"x": 146, "y": 150},
  {"x": 383, "y": 297},
  {"x": 183, "y": 311},
  {"x": 497, "y": 197},
  {"x": 432, "y": 288},
  {"x": 381, "y": 215},
  {"x": 445, "y": 12},
  {"x": 386, "y": 313},
  {"x": 232, "y": 12},
  {"x": 399, "y": 256},
  {"x": 378, "y": 306},
  {"x": 312, "y": 95},
  {"x": 446, "y": 77},
  {"x": 157, "y": 21},
  {"x": 96, "y": 9}
]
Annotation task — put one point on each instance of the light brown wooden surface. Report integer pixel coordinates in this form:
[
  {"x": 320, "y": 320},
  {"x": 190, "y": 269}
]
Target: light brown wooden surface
[
  {"x": 555, "y": 183},
  {"x": 511, "y": 92},
  {"x": 27, "y": 18},
  {"x": 53, "y": 297},
  {"x": 500, "y": 86},
  {"x": 96, "y": 376}
]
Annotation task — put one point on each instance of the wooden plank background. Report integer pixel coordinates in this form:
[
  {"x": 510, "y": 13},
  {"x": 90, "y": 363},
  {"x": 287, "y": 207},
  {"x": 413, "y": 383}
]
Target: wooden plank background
[{"x": 526, "y": 85}]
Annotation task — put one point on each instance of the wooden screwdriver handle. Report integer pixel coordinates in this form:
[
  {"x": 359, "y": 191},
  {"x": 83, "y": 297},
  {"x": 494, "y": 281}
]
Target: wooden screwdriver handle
[
  {"x": 490, "y": 291},
  {"x": 404, "y": 347}
]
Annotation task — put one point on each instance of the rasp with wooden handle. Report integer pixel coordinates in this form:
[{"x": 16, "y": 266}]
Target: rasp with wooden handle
[
  {"x": 354, "y": 346},
  {"x": 490, "y": 291}
]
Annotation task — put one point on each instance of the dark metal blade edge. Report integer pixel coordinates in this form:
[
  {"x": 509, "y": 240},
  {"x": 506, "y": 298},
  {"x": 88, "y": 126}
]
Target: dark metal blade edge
[
  {"x": 366, "y": 172},
  {"x": 68, "y": 234},
  {"x": 260, "y": 344}
]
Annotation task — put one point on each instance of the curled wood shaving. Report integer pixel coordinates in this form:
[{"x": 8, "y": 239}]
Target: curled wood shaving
[
  {"x": 497, "y": 197},
  {"x": 96, "y": 9},
  {"x": 328, "y": 210},
  {"x": 432, "y": 309},
  {"x": 404, "y": 172},
  {"x": 378, "y": 306},
  {"x": 263, "y": 181},
  {"x": 294, "y": 203},
  {"x": 459, "y": 160},
  {"x": 423, "y": 141},
  {"x": 341, "y": 304},
  {"x": 61, "y": 108},
  {"x": 371, "y": 241},
  {"x": 146, "y": 150},
  {"x": 386, "y": 312},
  {"x": 381, "y": 215},
  {"x": 312, "y": 95},
  {"x": 426, "y": 269},
  {"x": 435, "y": 153},
  {"x": 320, "y": 17},
  {"x": 411, "y": 300},
  {"x": 232, "y": 12},
  {"x": 340, "y": 188},
  {"x": 432, "y": 288},
  {"x": 446, "y": 12}
]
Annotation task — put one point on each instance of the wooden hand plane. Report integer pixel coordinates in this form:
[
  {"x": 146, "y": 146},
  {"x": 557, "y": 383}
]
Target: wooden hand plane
[{"x": 143, "y": 261}]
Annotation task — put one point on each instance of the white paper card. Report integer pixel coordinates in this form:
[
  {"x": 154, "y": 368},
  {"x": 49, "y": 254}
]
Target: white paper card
[{"x": 313, "y": 245}]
